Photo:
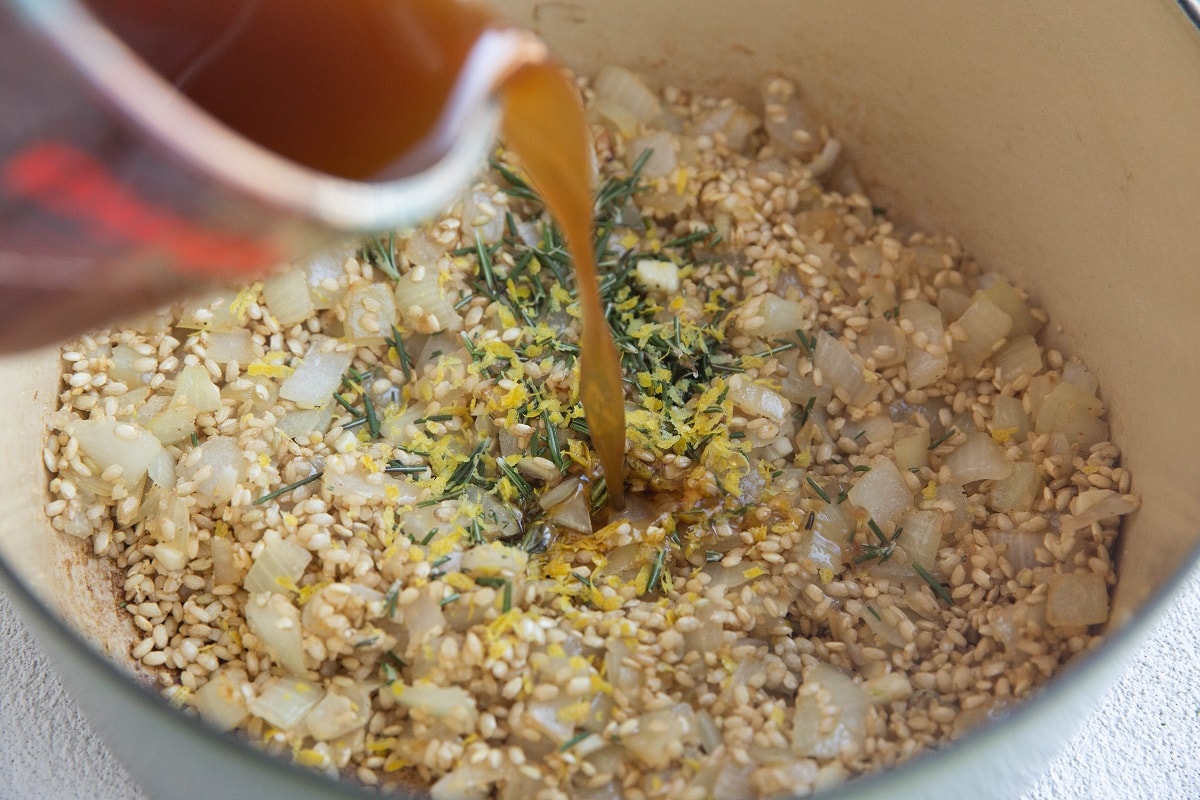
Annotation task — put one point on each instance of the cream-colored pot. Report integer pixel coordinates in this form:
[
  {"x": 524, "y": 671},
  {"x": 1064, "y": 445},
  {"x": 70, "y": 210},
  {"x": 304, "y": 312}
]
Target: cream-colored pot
[{"x": 1057, "y": 140}]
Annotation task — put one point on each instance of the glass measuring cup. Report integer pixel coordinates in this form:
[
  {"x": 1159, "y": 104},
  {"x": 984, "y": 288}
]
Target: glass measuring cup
[{"x": 117, "y": 191}]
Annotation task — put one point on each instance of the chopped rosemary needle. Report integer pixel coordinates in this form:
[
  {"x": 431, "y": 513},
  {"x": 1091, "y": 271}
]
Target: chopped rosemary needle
[
  {"x": 941, "y": 439},
  {"x": 574, "y": 740},
  {"x": 282, "y": 490},
  {"x": 816, "y": 487},
  {"x": 934, "y": 584},
  {"x": 656, "y": 570},
  {"x": 390, "y": 599}
]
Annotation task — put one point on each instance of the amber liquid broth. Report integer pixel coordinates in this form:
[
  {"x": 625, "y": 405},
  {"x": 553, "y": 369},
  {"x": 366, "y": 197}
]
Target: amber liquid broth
[
  {"x": 359, "y": 89},
  {"x": 347, "y": 87},
  {"x": 544, "y": 124}
]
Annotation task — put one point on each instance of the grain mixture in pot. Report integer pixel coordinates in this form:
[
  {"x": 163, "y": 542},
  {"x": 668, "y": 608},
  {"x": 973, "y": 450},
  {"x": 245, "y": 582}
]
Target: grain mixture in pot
[{"x": 358, "y": 517}]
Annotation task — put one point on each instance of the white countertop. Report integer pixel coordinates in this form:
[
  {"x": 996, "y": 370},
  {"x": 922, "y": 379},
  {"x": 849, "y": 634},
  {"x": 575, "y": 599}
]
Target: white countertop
[{"x": 1144, "y": 742}]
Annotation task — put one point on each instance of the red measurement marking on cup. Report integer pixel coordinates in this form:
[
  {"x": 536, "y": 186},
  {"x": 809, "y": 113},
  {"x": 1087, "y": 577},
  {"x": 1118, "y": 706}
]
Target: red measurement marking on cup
[{"x": 71, "y": 184}]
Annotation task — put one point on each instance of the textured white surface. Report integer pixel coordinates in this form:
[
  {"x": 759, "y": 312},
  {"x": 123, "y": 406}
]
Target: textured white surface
[{"x": 1143, "y": 743}]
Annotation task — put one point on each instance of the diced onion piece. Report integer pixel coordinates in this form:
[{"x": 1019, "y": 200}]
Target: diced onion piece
[
  {"x": 213, "y": 314},
  {"x": 785, "y": 119},
  {"x": 287, "y": 297},
  {"x": 195, "y": 387},
  {"x": 481, "y": 218},
  {"x": 911, "y": 450},
  {"x": 170, "y": 557},
  {"x": 616, "y": 115},
  {"x": 733, "y": 782},
  {"x": 1021, "y": 356},
  {"x": 343, "y": 710},
  {"x": 326, "y": 274},
  {"x": 842, "y": 370},
  {"x": 284, "y": 702},
  {"x": 303, "y": 421},
  {"x": 883, "y": 492},
  {"x": 422, "y": 249},
  {"x": 1039, "y": 389},
  {"x": 422, "y": 303},
  {"x": 317, "y": 376},
  {"x": 220, "y": 701},
  {"x": 831, "y": 714},
  {"x": 731, "y": 577},
  {"x": 664, "y": 153},
  {"x": 133, "y": 399},
  {"x": 1097, "y": 505},
  {"x": 657, "y": 276},
  {"x": 546, "y": 717},
  {"x": 225, "y": 570},
  {"x": 834, "y": 523},
  {"x": 985, "y": 325},
  {"x": 454, "y": 706},
  {"x": 1018, "y": 490},
  {"x": 394, "y": 427},
  {"x": 121, "y": 365},
  {"x": 217, "y": 466},
  {"x": 174, "y": 423},
  {"x": 626, "y": 88},
  {"x": 1019, "y": 548},
  {"x": 424, "y": 618},
  {"x": 918, "y": 543},
  {"x": 951, "y": 498},
  {"x": 924, "y": 368},
  {"x": 367, "y": 487},
  {"x": 1077, "y": 598},
  {"x": 236, "y": 345},
  {"x": 952, "y": 303},
  {"x": 627, "y": 678},
  {"x": 277, "y": 568},
  {"x": 494, "y": 559},
  {"x": 370, "y": 313},
  {"x": 757, "y": 400},
  {"x": 890, "y": 687},
  {"x": 276, "y": 621},
  {"x": 710, "y": 734},
  {"x": 922, "y": 536},
  {"x": 728, "y": 121},
  {"x": 1009, "y": 424},
  {"x": 467, "y": 782},
  {"x": 1076, "y": 372},
  {"x": 560, "y": 493},
  {"x": 1002, "y": 293},
  {"x": 1073, "y": 412},
  {"x": 883, "y": 626},
  {"x": 780, "y": 317},
  {"x": 878, "y": 429},
  {"x": 574, "y": 514},
  {"x": 655, "y": 729},
  {"x": 978, "y": 458},
  {"x": 884, "y": 342},
  {"x": 111, "y": 443},
  {"x": 162, "y": 470},
  {"x": 170, "y": 523}
]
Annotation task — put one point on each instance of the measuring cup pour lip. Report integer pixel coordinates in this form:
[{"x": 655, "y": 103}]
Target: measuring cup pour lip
[{"x": 209, "y": 147}]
